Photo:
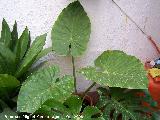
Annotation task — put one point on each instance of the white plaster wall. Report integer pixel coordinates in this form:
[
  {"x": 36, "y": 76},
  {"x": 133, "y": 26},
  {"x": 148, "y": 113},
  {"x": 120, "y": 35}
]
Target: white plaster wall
[{"x": 110, "y": 27}]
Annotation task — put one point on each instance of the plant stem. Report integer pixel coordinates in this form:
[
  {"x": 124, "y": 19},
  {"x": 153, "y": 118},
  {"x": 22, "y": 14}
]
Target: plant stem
[
  {"x": 89, "y": 88},
  {"x": 74, "y": 74}
]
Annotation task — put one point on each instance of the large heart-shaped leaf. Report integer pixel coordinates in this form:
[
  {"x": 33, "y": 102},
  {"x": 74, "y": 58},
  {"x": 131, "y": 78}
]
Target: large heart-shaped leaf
[
  {"x": 7, "y": 84},
  {"x": 43, "y": 85},
  {"x": 5, "y": 34},
  {"x": 31, "y": 54},
  {"x": 117, "y": 69},
  {"x": 71, "y": 31}
]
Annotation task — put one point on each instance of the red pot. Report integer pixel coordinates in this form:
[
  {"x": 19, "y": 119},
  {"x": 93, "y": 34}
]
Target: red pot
[
  {"x": 154, "y": 88},
  {"x": 154, "y": 85}
]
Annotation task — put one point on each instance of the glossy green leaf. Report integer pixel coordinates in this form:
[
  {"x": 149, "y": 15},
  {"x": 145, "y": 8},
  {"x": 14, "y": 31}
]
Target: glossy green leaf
[
  {"x": 5, "y": 34},
  {"x": 8, "y": 114},
  {"x": 71, "y": 31},
  {"x": 14, "y": 35},
  {"x": 31, "y": 54},
  {"x": 43, "y": 85},
  {"x": 7, "y": 84},
  {"x": 117, "y": 69}
]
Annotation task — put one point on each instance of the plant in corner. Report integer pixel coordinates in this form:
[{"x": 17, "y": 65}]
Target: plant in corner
[
  {"x": 51, "y": 95},
  {"x": 16, "y": 58}
]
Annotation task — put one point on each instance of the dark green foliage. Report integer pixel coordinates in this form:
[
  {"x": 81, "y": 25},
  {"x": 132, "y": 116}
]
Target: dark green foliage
[
  {"x": 122, "y": 103},
  {"x": 70, "y": 109},
  {"x": 16, "y": 54},
  {"x": 16, "y": 58}
]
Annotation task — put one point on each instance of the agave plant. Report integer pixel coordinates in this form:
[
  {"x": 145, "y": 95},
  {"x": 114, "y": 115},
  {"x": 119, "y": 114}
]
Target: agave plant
[{"x": 16, "y": 58}]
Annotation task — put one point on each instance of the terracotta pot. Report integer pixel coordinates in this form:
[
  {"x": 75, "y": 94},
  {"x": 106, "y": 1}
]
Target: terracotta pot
[
  {"x": 154, "y": 85},
  {"x": 154, "y": 88}
]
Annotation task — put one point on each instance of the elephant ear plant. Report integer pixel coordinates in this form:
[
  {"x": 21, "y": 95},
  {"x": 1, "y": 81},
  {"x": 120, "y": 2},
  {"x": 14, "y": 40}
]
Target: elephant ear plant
[
  {"x": 52, "y": 96},
  {"x": 16, "y": 58}
]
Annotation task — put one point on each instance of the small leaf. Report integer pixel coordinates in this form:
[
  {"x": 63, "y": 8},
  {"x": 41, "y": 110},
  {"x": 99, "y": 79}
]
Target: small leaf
[
  {"x": 71, "y": 31},
  {"x": 74, "y": 104},
  {"x": 7, "y": 84},
  {"x": 43, "y": 85},
  {"x": 90, "y": 111},
  {"x": 117, "y": 69},
  {"x": 14, "y": 35},
  {"x": 6, "y": 34},
  {"x": 31, "y": 54}
]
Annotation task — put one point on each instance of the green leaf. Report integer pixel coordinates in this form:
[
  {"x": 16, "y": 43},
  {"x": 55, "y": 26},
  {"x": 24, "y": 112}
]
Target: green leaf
[
  {"x": 7, "y": 84},
  {"x": 7, "y": 60},
  {"x": 14, "y": 35},
  {"x": 5, "y": 34},
  {"x": 156, "y": 116},
  {"x": 72, "y": 29},
  {"x": 74, "y": 104},
  {"x": 121, "y": 102},
  {"x": 89, "y": 112},
  {"x": 8, "y": 114},
  {"x": 117, "y": 69},
  {"x": 41, "y": 86},
  {"x": 24, "y": 41},
  {"x": 21, "y": 46},
  {"x": 44, "y": 52},
  {"x": 70, "y": 109},
  {"x": 31, "y": 55}
]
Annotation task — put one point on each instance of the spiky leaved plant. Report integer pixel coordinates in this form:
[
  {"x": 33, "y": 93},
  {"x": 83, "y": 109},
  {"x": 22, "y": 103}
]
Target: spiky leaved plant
[{"x": 17, "y": 56}]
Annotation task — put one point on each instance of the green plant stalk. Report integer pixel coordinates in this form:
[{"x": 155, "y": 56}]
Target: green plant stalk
[
  {"x": 74, "y": 74},
  {"x": 89, "y": 88}
]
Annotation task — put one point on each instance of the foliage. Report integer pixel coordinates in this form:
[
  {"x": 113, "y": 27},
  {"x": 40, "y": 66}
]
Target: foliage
[
  {"x": 117, "y": 69},
  {"x": 71, "y": 31},
  {"x": 122, "y": 103},
  {"x": 16, "y": 55},
  {"x": 70, "y": 109},
  {"x": 7, "y": 113},
  {"x": 7, "y": 84},
  {"x": 47, "y": 93},
  {"x": 16, "y": 58},
  {"x": 41, "y": 86}
]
